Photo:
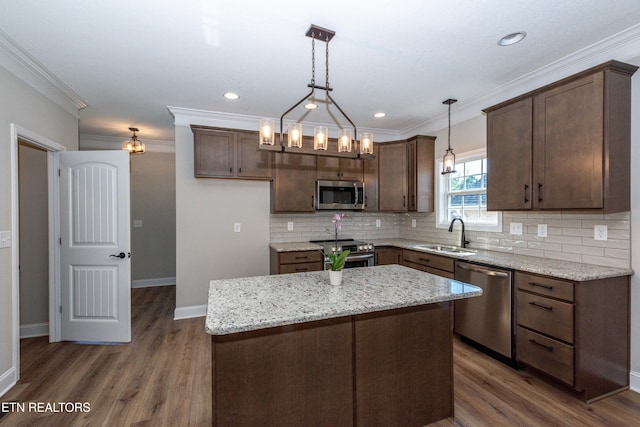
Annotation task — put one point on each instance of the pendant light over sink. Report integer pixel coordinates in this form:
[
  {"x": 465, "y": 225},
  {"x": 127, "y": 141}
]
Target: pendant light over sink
[
  {"x": 449, "y": 159},
  {"x": 348, "y": 145}
]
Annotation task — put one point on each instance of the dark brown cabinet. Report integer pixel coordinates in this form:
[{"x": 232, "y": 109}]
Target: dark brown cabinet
[
  {"x": 392, "y": 177},
  {"x": 434, "y": 264},
  {"x": 386, "y": 255},
  {"x": 420, "y": 180},
  {"x": 294, "y": 262},
  {"x": 222, "y": 153},
  {"x": 370, "y": 174},
  {"x": 575, "y": 332},
  {"x": 563, "y": 146},
  {"x": 293, "y": 186},
  {"x": 338, "y": 169}
]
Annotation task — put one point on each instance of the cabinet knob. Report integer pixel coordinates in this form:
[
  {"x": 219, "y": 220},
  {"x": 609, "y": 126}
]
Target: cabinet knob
[
  {"x": 539, "y": 192},
  {"x": 526, "y": 199}
]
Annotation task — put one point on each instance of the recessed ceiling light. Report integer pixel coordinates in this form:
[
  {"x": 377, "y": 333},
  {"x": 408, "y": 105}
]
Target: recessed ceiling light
[
  {"x": 512, "y": 38},
  {"x": 311, "y": 106},
  {"x": 231, "y": 95},
  {"x": 379, "y": 115}
]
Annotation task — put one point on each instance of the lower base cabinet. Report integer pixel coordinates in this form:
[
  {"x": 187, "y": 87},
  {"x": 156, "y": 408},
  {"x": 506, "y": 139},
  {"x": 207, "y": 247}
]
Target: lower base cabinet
[
  {"x": 386, "y": 255},
  {"x": 389, "y": 368},
  {"x": 294, "y": 262},
  {"x": 575, "y": 332}
]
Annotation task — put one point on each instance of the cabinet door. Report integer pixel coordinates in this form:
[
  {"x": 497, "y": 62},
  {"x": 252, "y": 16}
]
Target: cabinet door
[
  {"x": 370, "y": 176},
  {"x": 392, "y": 177},
  {"x": 214, "y": 153},
  {"x": 509, "y": 139},
  {"x": 337, "y": 169},
  {"x": 252, "y": 163},
  {"x": 293, "y": 183},
  {"x": 412, "y": 176},
  {"x": 568, "y": 145}
]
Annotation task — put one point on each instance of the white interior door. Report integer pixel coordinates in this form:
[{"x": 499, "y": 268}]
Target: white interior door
[{"x": 95, "y": 244}]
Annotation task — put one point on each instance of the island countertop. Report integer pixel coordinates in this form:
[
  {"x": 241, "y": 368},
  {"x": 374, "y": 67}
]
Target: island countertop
[{"x": 252, "y": 303}]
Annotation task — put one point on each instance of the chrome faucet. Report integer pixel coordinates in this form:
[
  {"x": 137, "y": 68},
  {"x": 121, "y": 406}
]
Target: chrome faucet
[{"x": 463, "y": 241}]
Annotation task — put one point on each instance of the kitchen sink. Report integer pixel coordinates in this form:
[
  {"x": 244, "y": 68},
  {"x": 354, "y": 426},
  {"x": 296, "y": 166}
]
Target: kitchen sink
[{"x": 444, "y": 249}]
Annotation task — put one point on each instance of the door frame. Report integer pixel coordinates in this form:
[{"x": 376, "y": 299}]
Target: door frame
[{"x": 52, "y": 148}]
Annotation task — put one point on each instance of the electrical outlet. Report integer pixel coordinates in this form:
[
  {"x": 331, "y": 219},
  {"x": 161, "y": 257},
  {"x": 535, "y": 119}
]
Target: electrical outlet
[
  {"x": 137, "y": 223},
  {"x": 542, "y": 230},
  {"x": 515, "y": 228},
  {"x": 600, "y": 232},
  {"x": 290, "y": 226},
  {"x": 378, "y": 223},
  {"x": 413, "y": 223},
  {"x": 5, "y": 239},
  {"x": 236, "y": 227}
]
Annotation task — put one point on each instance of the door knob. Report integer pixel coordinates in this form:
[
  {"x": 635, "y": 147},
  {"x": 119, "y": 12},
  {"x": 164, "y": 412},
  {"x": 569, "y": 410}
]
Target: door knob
[{"x": 121, "y": 255}]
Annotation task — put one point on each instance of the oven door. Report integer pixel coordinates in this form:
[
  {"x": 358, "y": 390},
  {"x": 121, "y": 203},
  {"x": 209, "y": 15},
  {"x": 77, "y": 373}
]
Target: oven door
[{"x": 360, "y": 260}]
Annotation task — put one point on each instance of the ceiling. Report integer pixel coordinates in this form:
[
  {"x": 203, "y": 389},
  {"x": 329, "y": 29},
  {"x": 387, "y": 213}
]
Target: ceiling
[{"x": 130, "y": 59}]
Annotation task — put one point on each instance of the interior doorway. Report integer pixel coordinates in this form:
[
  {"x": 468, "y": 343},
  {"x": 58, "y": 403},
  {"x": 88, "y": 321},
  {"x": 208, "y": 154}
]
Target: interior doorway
[{"x": 33, "y": 244}]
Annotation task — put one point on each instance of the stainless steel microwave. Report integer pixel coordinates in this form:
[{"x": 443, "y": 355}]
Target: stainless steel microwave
[{"x": 339, "y": 195}]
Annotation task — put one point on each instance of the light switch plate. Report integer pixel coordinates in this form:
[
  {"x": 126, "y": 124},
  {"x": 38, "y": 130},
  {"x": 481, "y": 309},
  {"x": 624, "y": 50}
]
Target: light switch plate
[
  {"x": 5, "y": 239},
  {"x": 378, "y": 223},
  {"x": 542, "y": 230},
  {"x": 600, "y": 232},
  {"x": 236, "y": 227},
  {"x": 290, "y": 226},
  {"x": 515, "y": 228},
  {"x": 413, "y": 223}
]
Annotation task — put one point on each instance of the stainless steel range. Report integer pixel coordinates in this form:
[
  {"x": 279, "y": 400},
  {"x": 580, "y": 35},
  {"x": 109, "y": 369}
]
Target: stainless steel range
[{"x": 361, "y": 254}]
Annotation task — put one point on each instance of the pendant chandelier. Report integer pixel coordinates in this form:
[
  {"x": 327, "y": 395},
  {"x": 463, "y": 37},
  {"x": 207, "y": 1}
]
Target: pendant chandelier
[
  {"x": 134, "y": 146},
  {"x": 348, "y": 146},
  {"x": 449, "y": 159}
]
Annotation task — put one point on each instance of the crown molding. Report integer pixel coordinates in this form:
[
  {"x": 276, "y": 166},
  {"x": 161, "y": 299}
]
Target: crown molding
[
  {"x": 189, "y": 116},
  {"x": 99, "y": 142},
  {"x": 623, "y": 46},
  {"x": 24, "y": 66}
]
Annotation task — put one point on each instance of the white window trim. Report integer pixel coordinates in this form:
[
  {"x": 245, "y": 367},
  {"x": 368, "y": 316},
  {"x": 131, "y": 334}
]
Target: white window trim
[{"x": 441, "y": 214}]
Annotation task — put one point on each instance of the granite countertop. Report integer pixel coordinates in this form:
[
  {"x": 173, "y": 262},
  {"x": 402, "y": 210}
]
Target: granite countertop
[
  {"x": 525, "y": 263},
  {"x": 251, "y": 303}
]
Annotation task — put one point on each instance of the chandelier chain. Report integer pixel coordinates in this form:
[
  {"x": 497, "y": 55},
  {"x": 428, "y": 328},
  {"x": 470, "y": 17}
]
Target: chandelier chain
[
  {"x": 313, "y": 59},
  {"x": 327, "y": 63}
]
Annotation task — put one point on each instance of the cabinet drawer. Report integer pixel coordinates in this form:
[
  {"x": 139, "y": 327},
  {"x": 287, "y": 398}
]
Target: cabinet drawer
[
  {"x": 424, "y": 268},
  {"x": 298, "y": 268},
  {"x": 555, "y": 288},
  {"x": 300, "y": 257},
  {"x": 545, "y": 315},
  {"x": 545, "y": 354},
  {"x": 428, "y": 260}
]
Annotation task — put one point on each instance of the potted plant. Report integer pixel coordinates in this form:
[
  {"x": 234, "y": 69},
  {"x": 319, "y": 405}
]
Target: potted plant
[{"x": 337, "y": 257}]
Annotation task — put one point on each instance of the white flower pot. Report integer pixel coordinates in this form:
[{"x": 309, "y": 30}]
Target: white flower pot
[{"x": 335, "y": 277}]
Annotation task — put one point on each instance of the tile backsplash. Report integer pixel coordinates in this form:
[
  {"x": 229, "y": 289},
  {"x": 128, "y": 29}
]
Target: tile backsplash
[{"x": 569, "y": 235}]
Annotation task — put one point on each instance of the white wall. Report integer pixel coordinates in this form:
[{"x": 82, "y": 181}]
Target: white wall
[
  {"x": 206, "y": 245},
  {"x": 635, "y": 229},
  {"x": 28, "y": 108}
]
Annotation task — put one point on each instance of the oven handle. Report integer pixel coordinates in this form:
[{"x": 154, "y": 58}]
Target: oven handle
[{"x": 358, "y": 257}]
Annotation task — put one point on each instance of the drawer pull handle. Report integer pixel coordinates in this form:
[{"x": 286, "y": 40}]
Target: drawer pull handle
[
  {"x": 424, "y": 259},
  {"x": 546, "y": 347},
  {"x": 546, "y": 307},
  {"x": 302, "y": 257},
  {"x": 302, "y": 268},
  {"x": 541, "y": 286}
]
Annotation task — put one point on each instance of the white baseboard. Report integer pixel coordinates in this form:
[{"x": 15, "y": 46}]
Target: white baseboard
[
  {"x": 189, "y": 312},
  {"x": 34, "y": 330},
  {"x": 7, "y": 381},
  {"x": 148, "y": 283},
  {"x": 634, "y": 381}
]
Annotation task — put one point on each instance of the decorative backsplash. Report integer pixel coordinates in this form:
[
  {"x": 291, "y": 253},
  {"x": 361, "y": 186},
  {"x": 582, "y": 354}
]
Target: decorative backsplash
[{"x": 569, "y": 235}]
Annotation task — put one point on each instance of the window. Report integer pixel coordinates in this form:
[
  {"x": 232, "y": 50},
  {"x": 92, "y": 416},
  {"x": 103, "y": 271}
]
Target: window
[{"x": 464, "y": 194}]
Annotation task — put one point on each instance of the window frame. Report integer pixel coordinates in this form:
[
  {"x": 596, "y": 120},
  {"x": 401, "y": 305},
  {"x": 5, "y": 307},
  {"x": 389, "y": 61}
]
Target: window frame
[{"x": 441, "y": 206}]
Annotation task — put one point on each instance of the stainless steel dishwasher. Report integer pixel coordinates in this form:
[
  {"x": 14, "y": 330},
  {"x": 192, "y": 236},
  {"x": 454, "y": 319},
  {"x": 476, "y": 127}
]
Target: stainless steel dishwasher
[{"x": 489, "y": 319}]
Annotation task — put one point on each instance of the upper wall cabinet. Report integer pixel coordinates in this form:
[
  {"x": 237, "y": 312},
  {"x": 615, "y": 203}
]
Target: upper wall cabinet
[
  {"x": 339, "y": 169},
  {"x": 405, "y": 175},
  {"x": 293, "y": 186},
  {"x": 563, "y": 146},
  {"x": 222, "y": 153}
]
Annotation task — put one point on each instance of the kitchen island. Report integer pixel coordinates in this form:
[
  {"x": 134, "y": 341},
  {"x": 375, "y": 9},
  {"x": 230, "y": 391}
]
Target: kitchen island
[{"x": 292, "y": 350}]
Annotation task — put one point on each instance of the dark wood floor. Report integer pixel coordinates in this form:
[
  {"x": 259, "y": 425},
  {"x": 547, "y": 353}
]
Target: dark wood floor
[{"x": 163, "y": 378}]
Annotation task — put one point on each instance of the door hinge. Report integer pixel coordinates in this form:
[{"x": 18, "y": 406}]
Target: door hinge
[
  {"x": 60, "y": 309},
  {"x": 58, "y": 172},
  {"x": 60, "y": 240}
]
